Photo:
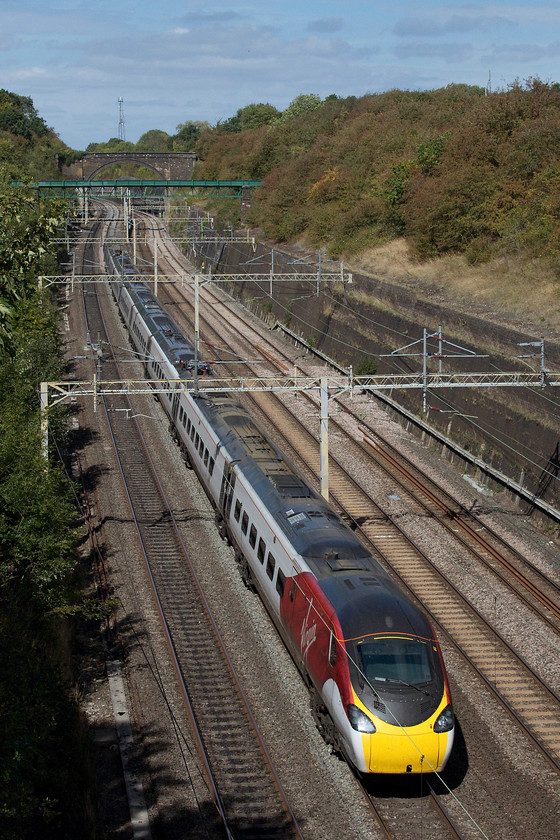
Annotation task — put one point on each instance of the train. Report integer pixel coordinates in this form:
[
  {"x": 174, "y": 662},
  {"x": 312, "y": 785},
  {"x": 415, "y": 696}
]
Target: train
[{"x": 368, "y": 654}]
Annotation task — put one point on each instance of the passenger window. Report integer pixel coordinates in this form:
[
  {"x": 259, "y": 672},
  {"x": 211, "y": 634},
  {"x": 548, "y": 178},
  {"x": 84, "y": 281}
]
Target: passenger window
[
  {"x": 245, "y": 522},
  {"x": 237, "y": 510},
  {"x": 252, "y": 536},
  {"x": 280, "y": 581},
  {"x": 211, "y": 467},
  {"x": 270, "y": 565},
  {"x": 205, "y": 457},
  {"x": 188, "y": 426},
  {"x": 196, "y": 440},
  {"x": 201, "y": 447},
  {"x": 293, "y": 591},
  {"x": 192, "y": 432},
  {"x": 261, "y": 551}
]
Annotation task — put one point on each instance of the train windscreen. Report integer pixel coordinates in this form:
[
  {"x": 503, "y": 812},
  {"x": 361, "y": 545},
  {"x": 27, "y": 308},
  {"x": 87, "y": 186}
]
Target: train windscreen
[{"x": 396, "y": 659}]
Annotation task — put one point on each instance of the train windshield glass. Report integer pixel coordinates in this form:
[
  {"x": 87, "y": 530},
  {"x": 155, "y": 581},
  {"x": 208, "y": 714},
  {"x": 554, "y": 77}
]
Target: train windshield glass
[{"x": 396, "y": 659}]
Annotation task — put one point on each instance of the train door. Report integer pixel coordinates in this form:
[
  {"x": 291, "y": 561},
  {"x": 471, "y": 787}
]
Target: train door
[
  {"x": 226, "y": 499},
  {"x": 227, "y": 490},
  {"x": 175, "y": 406}
]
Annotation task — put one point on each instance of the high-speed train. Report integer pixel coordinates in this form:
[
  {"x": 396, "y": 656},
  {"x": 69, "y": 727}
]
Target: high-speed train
[{"x": 370, "y": 657}]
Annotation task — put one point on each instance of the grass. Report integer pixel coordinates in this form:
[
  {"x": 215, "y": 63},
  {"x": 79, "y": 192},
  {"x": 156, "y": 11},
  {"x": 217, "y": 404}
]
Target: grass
[{"x": 508, "y": 290}]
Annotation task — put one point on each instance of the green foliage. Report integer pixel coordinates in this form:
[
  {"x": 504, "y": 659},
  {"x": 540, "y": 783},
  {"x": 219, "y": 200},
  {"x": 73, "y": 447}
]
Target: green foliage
[
  {"x": 367, "y": 366},
  {"x": 40, "y": 755},
  {"x": 396, "y": 183},
  {"x": 154, "y": 141},
  {"x": 112, "y": 145},
  {"x": 303, "y": 104},
  {"x": 19, "y": 117},
  {"x": 24, "y": 246},
  {"x": 250, "y": 117},
  {"x": 429, "y": 153},
  {"x": 27, "y": 147},
  {"x": 187, "y": 135}
]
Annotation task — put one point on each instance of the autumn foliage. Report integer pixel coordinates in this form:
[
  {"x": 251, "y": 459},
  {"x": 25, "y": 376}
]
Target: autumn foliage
[{"x": 452, "y": 169}]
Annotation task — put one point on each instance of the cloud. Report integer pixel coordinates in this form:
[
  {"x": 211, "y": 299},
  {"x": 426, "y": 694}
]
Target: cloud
[
  {"x": 479, "y": 23},
  {"x": 27, "y": 73},
  {"x": 417, "y": 28},
  {"x": 452, "y": 53},
  {"x": 202, "y": 19},
  {"x": 326, "y": 25},
  {"x": 515, "y": 53},
  {"x": 425, "y": 27}
]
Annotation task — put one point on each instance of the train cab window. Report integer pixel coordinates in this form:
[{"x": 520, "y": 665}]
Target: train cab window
[
  {"x": 205, "y": 457},
  {"x": 245, "y": 522},
  {"x": 252, "y": 536},
  {"x": 211, "y": 467},
  {"x": 261, "y": 551},
  {"x": 280, "y": 582},
  {"x": 270, "y": 565},
  {"x": 237, "y": 510},
  {"x": 333, "y": 650}
]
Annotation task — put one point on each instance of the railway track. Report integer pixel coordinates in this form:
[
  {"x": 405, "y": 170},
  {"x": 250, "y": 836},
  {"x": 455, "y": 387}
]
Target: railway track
[
  {"x": 434, "y": 822},
  {"x": 535, "y": 588},
  {"x": 519, "y": 688},
  {"x": 249, "y": 798}
]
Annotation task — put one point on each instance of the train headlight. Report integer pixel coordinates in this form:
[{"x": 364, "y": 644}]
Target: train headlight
[
  {"x": 359, "y": 720},
  {"x": 445, "y": 721}
]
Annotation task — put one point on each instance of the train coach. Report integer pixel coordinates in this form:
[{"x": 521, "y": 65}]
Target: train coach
[{"x": 370, "y": 657}]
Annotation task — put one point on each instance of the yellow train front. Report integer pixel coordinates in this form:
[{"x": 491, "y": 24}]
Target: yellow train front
[{"x": 385, "y": 688}]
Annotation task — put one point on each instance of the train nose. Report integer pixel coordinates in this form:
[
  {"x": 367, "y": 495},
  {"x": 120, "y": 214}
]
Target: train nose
[{"x": 405, "y": 755}]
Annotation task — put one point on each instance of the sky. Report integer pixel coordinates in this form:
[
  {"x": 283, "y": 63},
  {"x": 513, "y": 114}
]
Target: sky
[{"x": 177, "y": 60}]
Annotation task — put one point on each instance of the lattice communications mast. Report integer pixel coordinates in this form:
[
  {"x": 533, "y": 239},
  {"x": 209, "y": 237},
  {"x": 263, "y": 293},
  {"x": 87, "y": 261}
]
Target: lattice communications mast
[{"x": 122, "y": 132}]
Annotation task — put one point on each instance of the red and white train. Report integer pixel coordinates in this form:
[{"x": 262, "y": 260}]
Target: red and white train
[{"x": 369, "y": 655}]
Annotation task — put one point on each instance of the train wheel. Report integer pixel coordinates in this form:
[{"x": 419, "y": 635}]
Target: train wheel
[
  {"x": 324, "y": 722},
  {"x": 186, "y": 457},
  {"x": 222, "y": 528},
  {"x": 245, "y": 570}
]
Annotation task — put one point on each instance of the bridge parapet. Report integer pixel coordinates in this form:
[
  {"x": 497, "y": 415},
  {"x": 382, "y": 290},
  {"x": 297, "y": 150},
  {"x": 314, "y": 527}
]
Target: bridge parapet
[{"x": 168, "y": 166}]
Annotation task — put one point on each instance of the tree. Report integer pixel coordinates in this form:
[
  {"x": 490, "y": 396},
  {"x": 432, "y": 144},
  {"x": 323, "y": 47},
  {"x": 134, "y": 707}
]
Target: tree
[
  {"x": 187, "y": 135},
  {"x": 18, "y": 116},
  {"x": 305, "y": 103},
  {"x": 154, "y": 141},
  {"x": 250, "y": 117},
  {"x": 25, "y": 234}
]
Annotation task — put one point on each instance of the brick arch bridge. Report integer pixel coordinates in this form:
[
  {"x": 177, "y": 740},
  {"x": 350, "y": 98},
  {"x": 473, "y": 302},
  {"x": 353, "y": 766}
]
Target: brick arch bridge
[{"x": 169, "y": 166}]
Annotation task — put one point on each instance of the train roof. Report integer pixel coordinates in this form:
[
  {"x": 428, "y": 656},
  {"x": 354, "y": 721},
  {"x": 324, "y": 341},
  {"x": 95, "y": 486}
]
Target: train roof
[
  {"x": 315, "y": 530},
  {"x": 172, "y": 341},
  {"x": 372, "y": 603},
  {"x": 365, "y": 597}
]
